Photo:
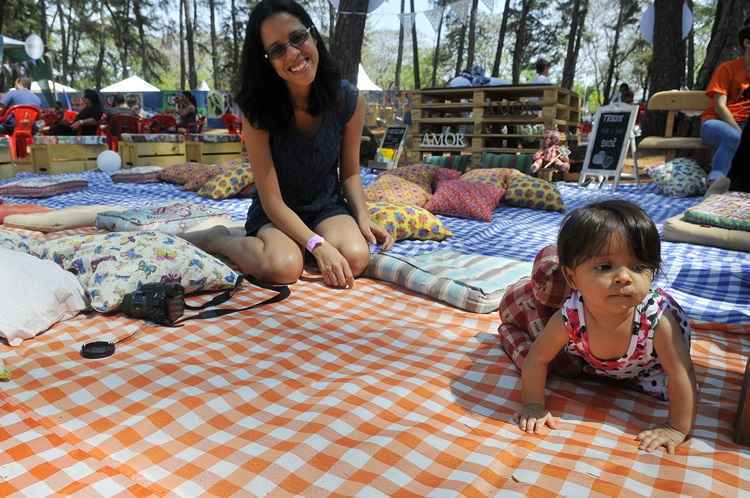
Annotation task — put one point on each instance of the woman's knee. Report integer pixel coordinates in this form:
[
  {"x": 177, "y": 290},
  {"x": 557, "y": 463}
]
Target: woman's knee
[
  {"x": 282, "y": 267},
  {"x": 357, "y": 255}
]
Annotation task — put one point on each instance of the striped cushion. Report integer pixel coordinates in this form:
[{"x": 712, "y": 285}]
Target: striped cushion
[
  {"x": 471, "y": 282},
  {"x": 521, "y": 162},
  {"x": 459, "y": 162}
]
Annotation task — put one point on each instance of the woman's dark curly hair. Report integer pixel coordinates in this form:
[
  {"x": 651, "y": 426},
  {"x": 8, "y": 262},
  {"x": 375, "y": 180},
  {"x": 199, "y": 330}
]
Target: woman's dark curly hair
[{"x": 263, "y": 95}]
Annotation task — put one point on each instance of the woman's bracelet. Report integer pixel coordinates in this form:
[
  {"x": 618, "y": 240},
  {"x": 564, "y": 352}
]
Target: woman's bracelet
[{"x": 670, "y": 426}]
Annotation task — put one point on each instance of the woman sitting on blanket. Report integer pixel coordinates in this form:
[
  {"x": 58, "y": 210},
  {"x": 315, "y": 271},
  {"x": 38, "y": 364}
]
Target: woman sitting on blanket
[
  {"x": 615, "y": 323},
  {"x": 300, "y": 117}
]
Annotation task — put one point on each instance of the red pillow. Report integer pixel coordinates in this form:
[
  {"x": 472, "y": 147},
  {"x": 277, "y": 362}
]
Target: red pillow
[
  {"x": 465, "y": 199},
  {"x": 9, "y": 209}
]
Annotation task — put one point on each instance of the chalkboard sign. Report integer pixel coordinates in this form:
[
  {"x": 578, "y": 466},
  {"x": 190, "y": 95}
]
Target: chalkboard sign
[
  {"x": 610, "y": 138},
  {"x": 389, "y": 152},
  {"x": 394, "y": 135}
]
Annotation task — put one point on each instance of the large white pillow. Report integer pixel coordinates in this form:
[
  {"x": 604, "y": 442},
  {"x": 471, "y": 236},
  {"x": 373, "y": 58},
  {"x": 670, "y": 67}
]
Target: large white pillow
[{"x": 36, "y": 295}]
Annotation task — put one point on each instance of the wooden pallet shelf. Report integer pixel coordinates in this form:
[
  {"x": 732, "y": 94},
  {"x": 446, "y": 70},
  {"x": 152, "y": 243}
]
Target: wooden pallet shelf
[{"x": 493, "y": 119}]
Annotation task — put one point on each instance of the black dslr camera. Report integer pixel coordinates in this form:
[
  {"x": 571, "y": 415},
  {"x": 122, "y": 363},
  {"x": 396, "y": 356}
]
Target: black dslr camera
[{"x": 162, "y": 303}]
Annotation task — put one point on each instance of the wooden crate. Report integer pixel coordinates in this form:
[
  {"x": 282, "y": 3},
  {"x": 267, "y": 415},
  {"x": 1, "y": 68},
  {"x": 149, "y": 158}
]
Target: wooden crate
[
  {"x": 151, "y": 153},
  {"x": 493, "y": 119},
  {"x": 210, "y": 153},
  {"x": 64, "y": 158},
  {"x": 7, "y": 168}
]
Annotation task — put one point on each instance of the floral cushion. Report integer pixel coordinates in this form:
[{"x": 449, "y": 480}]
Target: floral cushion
[
  {"x": 499, "y": 177},
  {"x": 730, "y": 210},
  {"x": 681, "y": 177},
  {"x": 534, "y": 193},
  {"x": 173, "y": 218},
  {"x": 390, "y": 188},
  {"x": 17, "y": 242},
  {"x": 43, "y": 187},
  {"x": 70, "y": 140},
  {"x": 11, "y": 209},
  {"x": 108, "y": 266},
  {"x": 421, "y": 174},
  {"x": 227, "y": 183},
  {"x": 183, "y": 173},
  {"x": 214, "y": 139},
  {"x": 465, "y": 199},
  {"x": 139, "y": 174},
  {"x": 408, "y": 222},
  {"x": 153, "y": 137}
]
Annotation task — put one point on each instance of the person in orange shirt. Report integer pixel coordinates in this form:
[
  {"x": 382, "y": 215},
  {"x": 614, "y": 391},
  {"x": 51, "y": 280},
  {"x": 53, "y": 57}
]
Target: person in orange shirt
[{"x": 724, "y": 120}]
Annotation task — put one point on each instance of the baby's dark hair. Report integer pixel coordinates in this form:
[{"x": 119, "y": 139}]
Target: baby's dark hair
[{"x": 586, "y": 231}]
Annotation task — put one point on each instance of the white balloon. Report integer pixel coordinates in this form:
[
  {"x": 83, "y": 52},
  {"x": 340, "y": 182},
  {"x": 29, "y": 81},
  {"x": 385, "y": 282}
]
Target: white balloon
[
  {"x": 34, "y": 46},
  {"x": 108, "y": 161}
]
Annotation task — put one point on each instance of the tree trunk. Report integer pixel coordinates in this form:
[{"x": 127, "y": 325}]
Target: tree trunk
[
  {"x": 350, "y": 31},
  {"x": 501, "y": 40},
  {"x": 214, "y": 53},
  {"x": 460, "y": 57},
  {"x": 519, "y": 50},
  {"x": 415, "y": 47},
  {"x": 690, "y": 76},
  {"x": 668, "y": 57},
  {"x": 472, "y": 33},
  {"x": 145, "y": 60},
  {"x": 400, "y": 53},
  {"x": 102, "y": 50},
  {"x": 436, "y": 55},
  {"x": 235, "y": 39},
  {"x": 613, "y": 55},
  {"x": 2, "y": 16},
  {"x": 182, "y": 46},
  {"x": 42, "y": 21},
  {"x": 63, "y": 41},
  {"x": 577, "y": 23},
  {"x": 723, "y": 44},
  {"x": 190, "y": 45},
  {"x": 331, "y": 24}
]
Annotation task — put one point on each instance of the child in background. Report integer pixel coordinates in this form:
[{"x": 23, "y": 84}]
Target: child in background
[{"x": 621, "y": 326}]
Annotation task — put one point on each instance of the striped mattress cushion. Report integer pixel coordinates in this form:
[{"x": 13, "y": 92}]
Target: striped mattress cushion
[{"x": 470, "y": 282}]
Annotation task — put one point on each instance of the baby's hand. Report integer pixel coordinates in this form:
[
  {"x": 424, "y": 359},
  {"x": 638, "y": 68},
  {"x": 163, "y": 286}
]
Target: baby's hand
[
  {"x": 533, "y": 417},
  {"x": 661, "y": 436}
]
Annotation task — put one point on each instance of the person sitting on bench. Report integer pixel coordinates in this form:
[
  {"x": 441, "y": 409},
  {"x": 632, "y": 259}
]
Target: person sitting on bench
[{"x": 723, "y": 121}]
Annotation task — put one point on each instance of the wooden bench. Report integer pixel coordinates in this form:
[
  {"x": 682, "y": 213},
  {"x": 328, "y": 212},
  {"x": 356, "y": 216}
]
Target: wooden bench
[
  {"x": 675, "y": 101},
  {"x": 7, "y": 168},
  {"x": 54, "y": 155}
]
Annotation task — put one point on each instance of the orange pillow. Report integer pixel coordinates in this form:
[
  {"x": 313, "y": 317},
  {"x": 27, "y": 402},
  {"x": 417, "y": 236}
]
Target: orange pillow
[{"x": 9, "y": 209}]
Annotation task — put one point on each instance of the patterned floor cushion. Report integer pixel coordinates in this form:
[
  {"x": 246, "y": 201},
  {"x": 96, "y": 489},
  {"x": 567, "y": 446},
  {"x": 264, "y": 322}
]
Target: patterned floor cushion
[
  {"x": 680, "y": 177},
  {"x": 214, "y": 139},
  {"x": 730, "y": 210},
  {"x": 534, "y": 193},
  {"x": 174, "y": 218},
  {"x": 43, "y": 187},
  {"x": 678, "y": 230},
  {"x": 468, "y": 281},
  {"x": 153, "y": 137},
  {"x": 70, "y": 140},
  {"x": 139, "y": 174}
]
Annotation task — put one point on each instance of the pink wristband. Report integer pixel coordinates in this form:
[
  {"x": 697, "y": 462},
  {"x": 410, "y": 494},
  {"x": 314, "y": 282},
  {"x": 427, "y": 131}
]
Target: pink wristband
[{"x": 314, "y": 242}]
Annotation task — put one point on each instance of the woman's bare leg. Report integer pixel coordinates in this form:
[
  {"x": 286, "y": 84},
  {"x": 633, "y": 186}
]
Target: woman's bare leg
[
  {"x": 270, "y": 256},
  {"x": 343, "y": 233}
]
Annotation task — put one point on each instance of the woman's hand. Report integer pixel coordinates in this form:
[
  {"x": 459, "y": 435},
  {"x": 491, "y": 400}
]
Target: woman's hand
[
  {"x": 333, "y": 266},
  {"x": 664, "y": 435},
  {"x": 374, "y": 233},
  {"x": 533, "y": 417}
]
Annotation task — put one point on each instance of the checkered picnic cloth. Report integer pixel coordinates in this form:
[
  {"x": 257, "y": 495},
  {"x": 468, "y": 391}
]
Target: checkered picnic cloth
[{"x": 363, "y": 392}]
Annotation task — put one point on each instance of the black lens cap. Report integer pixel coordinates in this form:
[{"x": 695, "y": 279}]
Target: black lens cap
[{"x": 98, "y": 349}]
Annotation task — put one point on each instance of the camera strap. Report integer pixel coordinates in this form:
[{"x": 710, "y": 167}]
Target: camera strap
[{"x": 282, "y": 292}]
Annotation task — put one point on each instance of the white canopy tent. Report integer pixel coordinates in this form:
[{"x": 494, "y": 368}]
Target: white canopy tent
[
  {"x": 132, "y": 84},
  {"x": 11, "y": 42},
  {"x": 364, "y": 83},
  {"x": 54, "y": 87}
]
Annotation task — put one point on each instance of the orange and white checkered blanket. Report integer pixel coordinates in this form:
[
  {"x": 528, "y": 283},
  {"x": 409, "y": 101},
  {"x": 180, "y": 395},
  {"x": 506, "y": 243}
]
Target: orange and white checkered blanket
[{"x": 371, "y": 392}]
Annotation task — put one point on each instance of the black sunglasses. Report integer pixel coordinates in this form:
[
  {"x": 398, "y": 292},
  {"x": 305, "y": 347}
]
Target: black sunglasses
[{"x": 296, "y": 39}]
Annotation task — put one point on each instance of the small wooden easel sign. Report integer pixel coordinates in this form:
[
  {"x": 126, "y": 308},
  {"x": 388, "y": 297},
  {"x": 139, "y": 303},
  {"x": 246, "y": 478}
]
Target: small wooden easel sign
[
  {"x": 390, "y": 149},
  {"x": 611, "y": 137}
]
